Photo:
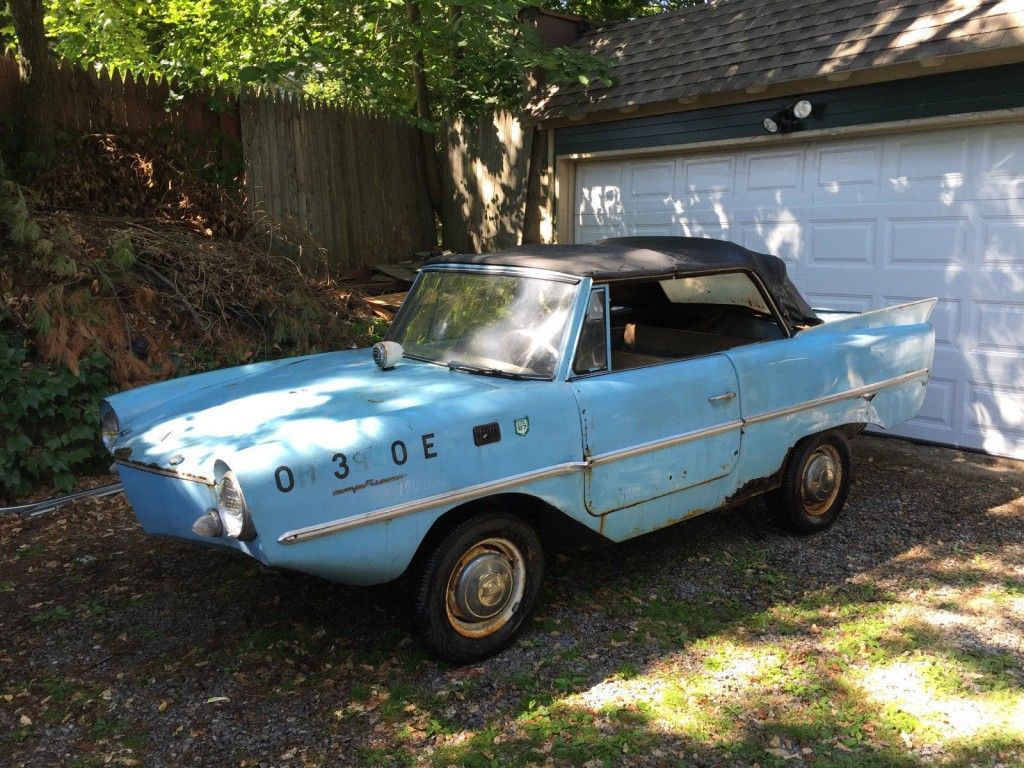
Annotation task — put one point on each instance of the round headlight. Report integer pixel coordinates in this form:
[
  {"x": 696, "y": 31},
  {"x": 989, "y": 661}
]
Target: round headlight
[
  {"x": 110, "y": 427},
  {"x": 232, "y": 509}
]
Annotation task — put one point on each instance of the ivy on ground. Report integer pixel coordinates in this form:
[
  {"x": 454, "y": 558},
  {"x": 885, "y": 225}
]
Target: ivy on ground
[{"x": 49, "y": 420}]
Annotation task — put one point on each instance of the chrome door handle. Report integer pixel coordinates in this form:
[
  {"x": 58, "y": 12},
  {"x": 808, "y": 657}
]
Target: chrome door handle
[{"x": 722, "y": 397}]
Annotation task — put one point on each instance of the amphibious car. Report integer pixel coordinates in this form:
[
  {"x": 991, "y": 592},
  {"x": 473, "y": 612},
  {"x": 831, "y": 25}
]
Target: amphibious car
[{"x": 520, "y": 400}]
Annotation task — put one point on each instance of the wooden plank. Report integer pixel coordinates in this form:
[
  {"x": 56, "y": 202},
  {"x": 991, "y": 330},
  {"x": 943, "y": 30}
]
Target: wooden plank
[{"x": 392, "y": 300}]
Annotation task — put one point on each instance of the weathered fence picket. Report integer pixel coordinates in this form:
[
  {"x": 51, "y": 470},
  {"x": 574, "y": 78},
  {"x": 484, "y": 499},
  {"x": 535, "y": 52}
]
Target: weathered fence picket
[{"x": 354, "y": 181}]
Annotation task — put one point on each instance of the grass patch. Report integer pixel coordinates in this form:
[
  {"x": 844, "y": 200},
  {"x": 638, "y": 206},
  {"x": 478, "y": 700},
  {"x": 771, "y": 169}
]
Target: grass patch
[{"x": 54, "y": 615}]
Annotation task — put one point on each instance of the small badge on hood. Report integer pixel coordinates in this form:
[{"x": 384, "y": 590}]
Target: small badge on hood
[{"x": 522, "y": 426}]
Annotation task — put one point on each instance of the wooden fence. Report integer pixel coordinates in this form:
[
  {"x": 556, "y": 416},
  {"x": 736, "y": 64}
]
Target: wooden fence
[
  {"x": 354, "y": 181},
  {"x": 104, "y": 102}
]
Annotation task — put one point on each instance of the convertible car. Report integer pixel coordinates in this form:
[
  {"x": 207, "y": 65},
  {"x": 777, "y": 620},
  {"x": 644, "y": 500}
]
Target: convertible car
[{"x": 525, "y": 399}]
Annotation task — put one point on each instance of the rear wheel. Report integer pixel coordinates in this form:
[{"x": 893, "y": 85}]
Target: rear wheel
[
  {"x": 477, "y": 586},
  {"x": 814, "y": 486}
]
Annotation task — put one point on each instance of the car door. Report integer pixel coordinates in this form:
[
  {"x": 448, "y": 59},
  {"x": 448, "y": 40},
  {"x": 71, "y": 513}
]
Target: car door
[{"x": 653, "y": 431}]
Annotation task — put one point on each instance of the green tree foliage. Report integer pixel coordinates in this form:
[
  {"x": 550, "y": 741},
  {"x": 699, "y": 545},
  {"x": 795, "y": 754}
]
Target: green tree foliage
[
  {"x": 601, "y": 11},
  {"x": 7, "y": 42},
  {"x": 475, "y": 54}
]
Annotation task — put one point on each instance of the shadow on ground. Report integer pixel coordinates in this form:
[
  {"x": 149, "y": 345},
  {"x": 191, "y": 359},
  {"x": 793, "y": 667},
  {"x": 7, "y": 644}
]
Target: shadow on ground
[{"x": 893, "y": 639}]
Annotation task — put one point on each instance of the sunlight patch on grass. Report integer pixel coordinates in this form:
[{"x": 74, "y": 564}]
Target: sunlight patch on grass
[
  {"x": 909, "y": 686},
  {"x": 618, "y": 693}
]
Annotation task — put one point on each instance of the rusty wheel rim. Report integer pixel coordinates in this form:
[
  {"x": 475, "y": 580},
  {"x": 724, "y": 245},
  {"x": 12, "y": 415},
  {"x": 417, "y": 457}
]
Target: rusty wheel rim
[
  {"x": 485, "y": 587},
  {"x": 821, "y": 479}
]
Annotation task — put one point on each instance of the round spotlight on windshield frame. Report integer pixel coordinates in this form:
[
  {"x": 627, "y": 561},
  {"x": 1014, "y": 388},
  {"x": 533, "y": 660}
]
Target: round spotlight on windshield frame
[
  {"x": 386, "y": 354},
  {"x": 802, "y": 109},
  {"x": 770, "y": 125},
  {"x": 232, "y": 509}
]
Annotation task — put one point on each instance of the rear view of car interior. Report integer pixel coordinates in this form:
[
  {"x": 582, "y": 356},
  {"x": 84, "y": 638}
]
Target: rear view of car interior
[{"x": 654, "y": 321}]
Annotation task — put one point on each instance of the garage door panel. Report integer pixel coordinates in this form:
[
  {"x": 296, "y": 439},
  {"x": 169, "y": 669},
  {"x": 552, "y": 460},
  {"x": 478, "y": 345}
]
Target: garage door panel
[
  {"x": 839, "y": 243},
  {"x": 1003, "y": 153},
  {"x": 850, "y": 166},
  {"x": 937, "y": 416},
  {"x": 998, "y": 327},
  {"x": 712, "y": 228},
  {"x": 713, "y": 174},
  {"x": 654, "y": 180},
  {"x": 1002, "y": 240},
  {"x": 925, "y": 242},
  {"x": 995, "y": 414},
  {"x": 939, "y": 158},
  {"x": 862, "y": 223},
  {"x": 840, "y": 302},
  {"x": 823, "y": 279},
  {"x": 775, "y": 171},
  {"x": 783, "y": 238}
]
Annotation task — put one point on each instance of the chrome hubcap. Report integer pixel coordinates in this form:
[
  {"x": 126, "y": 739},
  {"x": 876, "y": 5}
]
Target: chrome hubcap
[
  {"x": 485, "y": 587},
  {"x": 819, "y": 486}
]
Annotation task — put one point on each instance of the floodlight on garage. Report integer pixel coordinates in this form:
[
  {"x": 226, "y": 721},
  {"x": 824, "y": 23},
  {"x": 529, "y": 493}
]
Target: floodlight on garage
[{"x": 802, "y": 109}]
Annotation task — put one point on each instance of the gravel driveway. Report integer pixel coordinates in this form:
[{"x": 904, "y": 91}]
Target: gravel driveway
[{"x": 896, "y": 638}]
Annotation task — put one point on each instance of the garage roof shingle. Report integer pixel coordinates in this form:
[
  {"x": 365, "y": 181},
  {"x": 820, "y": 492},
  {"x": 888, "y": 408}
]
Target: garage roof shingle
[{"x": 732, "y": 45}]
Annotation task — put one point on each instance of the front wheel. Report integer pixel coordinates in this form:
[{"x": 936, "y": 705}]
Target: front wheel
[
  {"x": 475, "y": 589},
  {"x": 814, "y": 485}
]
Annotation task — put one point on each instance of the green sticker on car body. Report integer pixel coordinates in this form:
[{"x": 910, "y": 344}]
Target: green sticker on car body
[{"x": 522, "y": 426}]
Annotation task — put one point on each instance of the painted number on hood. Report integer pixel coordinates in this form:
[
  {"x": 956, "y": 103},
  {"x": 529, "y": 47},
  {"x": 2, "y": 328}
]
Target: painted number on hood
[{"x": 343, "y": 463}]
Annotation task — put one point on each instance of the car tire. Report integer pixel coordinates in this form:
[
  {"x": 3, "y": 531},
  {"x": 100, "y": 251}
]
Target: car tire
[
  {"x": 474, "y": 589},
  {"x": 814, "y": 486}
]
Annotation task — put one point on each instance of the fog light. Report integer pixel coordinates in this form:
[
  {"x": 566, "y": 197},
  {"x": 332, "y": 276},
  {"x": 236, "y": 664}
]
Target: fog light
[{"x": 208, "y": 525}]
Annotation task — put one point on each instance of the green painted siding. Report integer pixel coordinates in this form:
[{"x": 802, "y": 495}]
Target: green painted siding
[{"x": 975, "y": 90}]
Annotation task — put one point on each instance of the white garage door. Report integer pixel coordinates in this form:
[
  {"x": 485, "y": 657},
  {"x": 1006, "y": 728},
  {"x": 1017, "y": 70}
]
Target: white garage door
[{"x": 863, "y": 223}]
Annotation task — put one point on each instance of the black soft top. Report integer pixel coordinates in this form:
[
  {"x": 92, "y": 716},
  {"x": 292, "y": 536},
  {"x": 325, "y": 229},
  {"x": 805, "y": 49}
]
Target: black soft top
[{"x": 625, "y": 258}]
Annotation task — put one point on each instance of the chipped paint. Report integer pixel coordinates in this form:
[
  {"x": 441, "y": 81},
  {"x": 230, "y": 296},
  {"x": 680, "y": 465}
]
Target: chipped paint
[{"x": 156, "y": 469}]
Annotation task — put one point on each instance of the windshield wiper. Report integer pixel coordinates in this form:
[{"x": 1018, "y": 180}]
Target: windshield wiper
[{"x": 455, "y": 365}]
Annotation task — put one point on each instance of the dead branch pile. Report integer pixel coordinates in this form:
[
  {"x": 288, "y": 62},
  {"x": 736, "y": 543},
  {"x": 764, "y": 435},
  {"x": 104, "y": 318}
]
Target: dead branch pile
[
  {"x": 157, "y": 180},
  {"x": 162, "y": 273}
]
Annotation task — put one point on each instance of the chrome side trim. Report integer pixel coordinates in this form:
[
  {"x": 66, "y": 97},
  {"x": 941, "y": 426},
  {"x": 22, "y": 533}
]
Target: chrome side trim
[
  {"x": 475, "y": 491},
  {"x": 411, "y": 507},
  {"x": 867, "y": 389},
  {"x": 665, "y": 442}
]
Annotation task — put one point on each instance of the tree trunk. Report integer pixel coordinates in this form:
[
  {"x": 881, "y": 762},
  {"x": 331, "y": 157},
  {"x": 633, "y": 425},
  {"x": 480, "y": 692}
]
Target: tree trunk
[
  {"x": 38, "y": 98},
  {"x": 536, "y": 190},
  {"x": 428, "y": 139}
]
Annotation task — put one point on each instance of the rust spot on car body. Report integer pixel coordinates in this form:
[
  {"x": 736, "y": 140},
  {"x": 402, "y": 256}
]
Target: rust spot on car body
[
  {"x": 156, "y": 469},
  {"x": 754, "y": 487}
]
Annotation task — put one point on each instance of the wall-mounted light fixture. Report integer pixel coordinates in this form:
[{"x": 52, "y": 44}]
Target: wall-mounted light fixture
[{"x": 788, "y": 119}]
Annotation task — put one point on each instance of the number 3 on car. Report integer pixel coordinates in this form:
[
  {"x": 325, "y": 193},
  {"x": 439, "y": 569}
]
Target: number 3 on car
[{"x": 523, "y": 398}]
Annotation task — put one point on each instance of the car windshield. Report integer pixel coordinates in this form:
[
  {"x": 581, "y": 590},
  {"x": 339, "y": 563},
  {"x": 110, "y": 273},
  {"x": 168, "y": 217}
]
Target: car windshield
[{"x": 486, "y": 323}]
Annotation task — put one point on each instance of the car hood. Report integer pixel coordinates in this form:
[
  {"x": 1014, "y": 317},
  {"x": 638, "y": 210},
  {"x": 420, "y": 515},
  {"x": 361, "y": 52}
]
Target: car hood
[{"x": 291, "y": 402}]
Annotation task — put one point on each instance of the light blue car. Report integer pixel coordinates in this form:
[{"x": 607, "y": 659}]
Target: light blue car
[{"x": 540, "y": 396}]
